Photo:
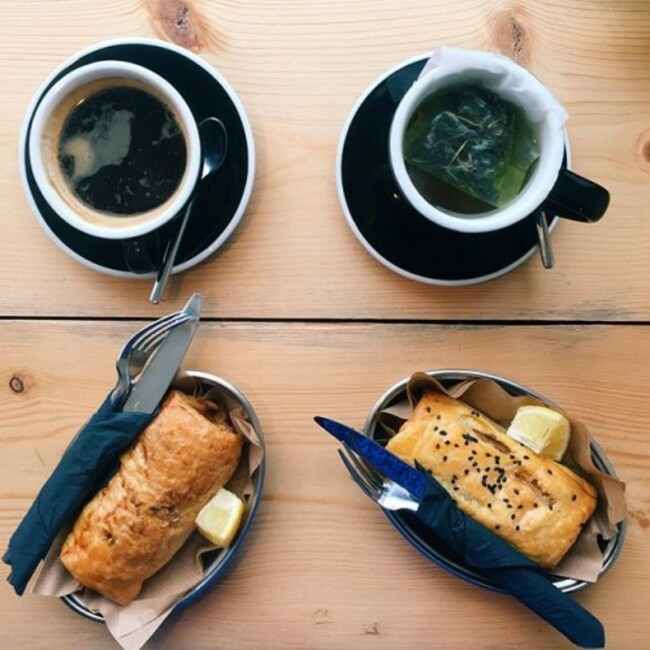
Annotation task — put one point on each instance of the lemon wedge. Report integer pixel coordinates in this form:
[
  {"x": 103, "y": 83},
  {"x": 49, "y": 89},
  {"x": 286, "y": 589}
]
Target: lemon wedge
[
  {"x": 541, "y": 429},
  {"x": 220, "y": 517}
]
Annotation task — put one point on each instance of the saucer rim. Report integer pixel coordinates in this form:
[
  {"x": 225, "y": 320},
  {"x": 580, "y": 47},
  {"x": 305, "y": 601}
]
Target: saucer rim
[
  {"x": 357, "y": 232},
  {"x": 241, "y": 112}
]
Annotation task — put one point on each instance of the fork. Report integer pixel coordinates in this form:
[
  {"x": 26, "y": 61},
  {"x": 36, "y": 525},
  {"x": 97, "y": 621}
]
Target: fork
[
  {"x": 383, "y": 491},
  {"x": 136, "y": 352}
]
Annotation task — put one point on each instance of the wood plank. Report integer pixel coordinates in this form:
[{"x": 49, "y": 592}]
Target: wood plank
[
  {"x": 299, "y": 67},
  {"x": 322, "y": 567}
]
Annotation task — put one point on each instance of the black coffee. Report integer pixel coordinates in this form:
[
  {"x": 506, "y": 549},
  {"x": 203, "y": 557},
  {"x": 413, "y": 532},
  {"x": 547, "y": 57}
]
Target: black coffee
[{"x": 122, "y": 151}]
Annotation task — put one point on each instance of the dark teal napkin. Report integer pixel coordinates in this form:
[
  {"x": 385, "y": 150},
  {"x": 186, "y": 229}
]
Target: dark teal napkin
[
  {"x": 506, "y": 568},
  {"x": 85, "y": 466}
]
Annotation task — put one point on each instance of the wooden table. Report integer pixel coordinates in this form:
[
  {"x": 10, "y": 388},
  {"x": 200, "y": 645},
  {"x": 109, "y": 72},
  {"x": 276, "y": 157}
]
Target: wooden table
[{"x": 304, "y": 321}]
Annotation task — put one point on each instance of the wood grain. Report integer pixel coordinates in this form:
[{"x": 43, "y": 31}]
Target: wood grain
[
  {"x": 299, "y": 67},
  {"x": 322, "y": 567}
]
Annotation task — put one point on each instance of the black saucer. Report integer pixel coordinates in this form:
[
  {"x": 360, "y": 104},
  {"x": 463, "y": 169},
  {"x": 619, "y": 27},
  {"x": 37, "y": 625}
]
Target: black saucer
[
  {"x": 385, "y": 223},
  {"x": 219, "y": 205}
]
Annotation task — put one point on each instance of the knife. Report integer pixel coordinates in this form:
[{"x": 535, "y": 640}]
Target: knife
[
  {"x": 481, "y": 549},
  {"x": 388, "y": 464},
  {"x": 163, "y": 365}
]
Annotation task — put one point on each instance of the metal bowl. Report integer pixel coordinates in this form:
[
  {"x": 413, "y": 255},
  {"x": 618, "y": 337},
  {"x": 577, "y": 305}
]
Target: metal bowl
[
  {"x": 217, "y": 562},
  {"x": 420, "y": 538}
]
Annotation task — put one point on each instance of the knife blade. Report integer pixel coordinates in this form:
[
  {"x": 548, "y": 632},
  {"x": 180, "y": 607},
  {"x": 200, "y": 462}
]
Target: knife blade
[
  {"x": 161, "y": 369},
  {"x": 383, "y": 461}
]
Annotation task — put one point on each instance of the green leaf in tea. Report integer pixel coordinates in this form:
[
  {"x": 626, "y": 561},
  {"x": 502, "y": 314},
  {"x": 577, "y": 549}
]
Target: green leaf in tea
[{"x": 473, "y": 140}]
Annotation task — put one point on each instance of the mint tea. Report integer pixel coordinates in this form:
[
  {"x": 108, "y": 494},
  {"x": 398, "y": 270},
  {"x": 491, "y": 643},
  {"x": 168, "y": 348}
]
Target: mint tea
[{"x": 468, "y": 150}]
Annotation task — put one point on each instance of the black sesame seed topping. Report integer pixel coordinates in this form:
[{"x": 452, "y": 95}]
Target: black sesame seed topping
[
  {"x": 519, "y": 507},
  {"x": 516, "y": 491},
  {"x": 550, "y": 472},
  {"x": 526, "y": 457},
  {"x": 456, "y": 445},
  {"x": 437, "y": 446},
  {"x": 489, "y": 505},
  {"x": 535, "y": 505},
  {"x": 506, "y": 501},
  {"x": 428, "y": 409},
  {"x": 438, "y": 416},
  {"x": 550, "y": 506},
  {"x": 512, "y": 517},
  {"x": 466, "y": 472},
  {"x": 574, "y": 497},
  {"x": 497, "y": 527},
  {"x": 447, "y": 442},
  {"x": 516, "y": 527},
  {"x": 444, "y": 459},
  {"x": 488, "y": 468}
]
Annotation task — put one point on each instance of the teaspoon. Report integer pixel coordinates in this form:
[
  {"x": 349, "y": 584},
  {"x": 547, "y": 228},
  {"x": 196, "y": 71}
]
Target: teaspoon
[{"x": 214, "y": 142}]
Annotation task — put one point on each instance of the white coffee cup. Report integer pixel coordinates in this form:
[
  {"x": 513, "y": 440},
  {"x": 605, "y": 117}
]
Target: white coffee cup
[
  {"x": 43, "y": 145},
  {"x": 514, "y": 84}
]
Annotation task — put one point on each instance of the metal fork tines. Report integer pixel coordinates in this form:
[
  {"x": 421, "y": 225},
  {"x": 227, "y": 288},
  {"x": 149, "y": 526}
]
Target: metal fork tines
[
  {"x": 385, "y": 492},
  {"x": 137, "y": 350}
]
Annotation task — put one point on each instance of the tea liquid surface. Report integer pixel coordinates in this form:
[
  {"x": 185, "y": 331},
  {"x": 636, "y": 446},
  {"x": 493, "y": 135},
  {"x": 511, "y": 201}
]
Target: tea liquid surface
[{"x": 468, "y": 150}]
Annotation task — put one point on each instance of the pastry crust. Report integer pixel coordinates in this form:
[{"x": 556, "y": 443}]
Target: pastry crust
[
  {"x": 535, "y": 503},
  {"x": 138, "y": 521}
]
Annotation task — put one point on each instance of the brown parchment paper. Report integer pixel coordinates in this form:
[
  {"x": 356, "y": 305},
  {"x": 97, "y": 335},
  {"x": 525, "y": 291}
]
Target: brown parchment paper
[
  {"x": 132, "y": 625},
  {"x": 584, "y": 561}
]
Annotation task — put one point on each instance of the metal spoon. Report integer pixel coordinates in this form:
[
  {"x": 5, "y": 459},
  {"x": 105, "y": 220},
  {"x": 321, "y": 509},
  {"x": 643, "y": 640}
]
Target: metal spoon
[
  {"x": 214, "y": 142},
  {"x": 544, "y": 238}
]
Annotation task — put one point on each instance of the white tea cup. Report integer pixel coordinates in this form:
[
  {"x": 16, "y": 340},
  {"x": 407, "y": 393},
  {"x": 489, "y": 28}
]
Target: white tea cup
[
  {"x": 46, "y": 133},
  {"x": 550, "y": 186}
]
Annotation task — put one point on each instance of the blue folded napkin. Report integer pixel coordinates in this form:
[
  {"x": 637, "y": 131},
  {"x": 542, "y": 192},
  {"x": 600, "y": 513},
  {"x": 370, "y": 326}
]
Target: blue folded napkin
[
  {"x": 85, "y": 467},
  {"x": 506, "y": 567}
]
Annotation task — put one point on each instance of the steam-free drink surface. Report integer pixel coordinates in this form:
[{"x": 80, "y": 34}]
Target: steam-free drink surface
[
  {"x": 122, "y": 151},
  {"x": 468, "y": 150}
]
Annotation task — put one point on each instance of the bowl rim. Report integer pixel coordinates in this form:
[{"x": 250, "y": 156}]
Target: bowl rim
[
  {"x": 224, "y": 559},
  {"x": 602, "y": 462}
]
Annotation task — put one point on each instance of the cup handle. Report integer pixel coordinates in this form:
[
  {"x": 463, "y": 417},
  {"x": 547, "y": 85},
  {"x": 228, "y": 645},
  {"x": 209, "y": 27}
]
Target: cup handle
[{"x": 576, "y": 198}]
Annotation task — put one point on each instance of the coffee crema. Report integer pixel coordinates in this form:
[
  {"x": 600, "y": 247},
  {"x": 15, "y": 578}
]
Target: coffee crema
[
  {"x": 121, "y": 150},
  {"x": 116, "y": 152}
]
